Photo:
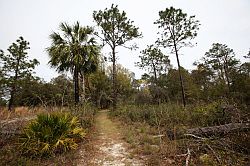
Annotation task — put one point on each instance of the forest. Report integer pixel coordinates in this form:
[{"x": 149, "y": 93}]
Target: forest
[{"x": 96, "y": 112}]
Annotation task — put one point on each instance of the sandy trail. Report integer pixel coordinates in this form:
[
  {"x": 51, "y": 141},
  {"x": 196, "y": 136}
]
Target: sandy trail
[{"x": 109, "y": 148}]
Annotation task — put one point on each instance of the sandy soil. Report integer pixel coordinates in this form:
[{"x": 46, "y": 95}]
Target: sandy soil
[{"x": 109, "y": 149}]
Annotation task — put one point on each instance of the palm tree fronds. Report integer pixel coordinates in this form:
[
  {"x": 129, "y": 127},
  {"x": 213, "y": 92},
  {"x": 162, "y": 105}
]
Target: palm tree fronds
[{"x": 75, "y": 49}]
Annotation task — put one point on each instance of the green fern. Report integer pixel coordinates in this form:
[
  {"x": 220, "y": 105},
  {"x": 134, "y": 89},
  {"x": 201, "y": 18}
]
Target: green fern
[{"x": 51, "y": 133}]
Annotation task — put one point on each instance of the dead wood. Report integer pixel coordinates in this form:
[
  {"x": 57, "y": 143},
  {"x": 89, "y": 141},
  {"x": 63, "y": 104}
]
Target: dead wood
[{"x": 201, "y": 132}]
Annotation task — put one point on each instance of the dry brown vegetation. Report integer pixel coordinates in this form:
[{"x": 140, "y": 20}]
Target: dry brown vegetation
[
  {"x": 147, "y": 126},
  {"x": 10, "y": 151}
]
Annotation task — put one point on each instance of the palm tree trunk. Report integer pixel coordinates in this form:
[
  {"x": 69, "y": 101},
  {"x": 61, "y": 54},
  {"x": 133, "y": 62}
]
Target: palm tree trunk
[
  {"x": 76, "y": 82},
  {"x": 83, "y": 88}
]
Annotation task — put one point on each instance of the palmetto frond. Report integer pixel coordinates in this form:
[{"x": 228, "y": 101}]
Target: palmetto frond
[
  {"x": 51, "y": 133},
  {"x": 56, "y": 39},
  {"x": 73, "y": 48},
  {"x": 84, "y": 33},
  {"x": 76, "y": 29},
  {"x": 59, "y": 57},
  {"x": 67, "y": 31}
]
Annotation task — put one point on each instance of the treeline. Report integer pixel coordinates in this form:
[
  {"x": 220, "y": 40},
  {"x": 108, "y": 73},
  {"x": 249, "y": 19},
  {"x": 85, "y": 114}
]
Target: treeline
[
  {"x": 76, "y": 49},
  {"x": 20, "y": 87},
  {"x": 34, "y": 91},
  {"x": 218, "y": 75},
  {"x": 205, "y": 83}
]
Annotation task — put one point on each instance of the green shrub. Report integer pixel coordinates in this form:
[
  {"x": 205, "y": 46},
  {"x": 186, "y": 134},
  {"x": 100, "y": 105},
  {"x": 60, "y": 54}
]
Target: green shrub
[
  {"x": 211, "y": 114},
  {"x": 86, "y": 114},
  {"x": 154, "y": 115},
  {"x": 51, "y": 133},
  {"x": 175, "y": 116}
]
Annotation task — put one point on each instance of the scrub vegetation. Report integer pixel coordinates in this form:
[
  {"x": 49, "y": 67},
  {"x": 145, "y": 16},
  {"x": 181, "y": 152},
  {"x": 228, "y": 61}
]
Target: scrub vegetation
[{"x": 170, "y": 116}]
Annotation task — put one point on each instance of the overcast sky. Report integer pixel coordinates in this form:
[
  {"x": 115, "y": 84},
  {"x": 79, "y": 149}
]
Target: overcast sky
[{"x": 223, "y": 21}]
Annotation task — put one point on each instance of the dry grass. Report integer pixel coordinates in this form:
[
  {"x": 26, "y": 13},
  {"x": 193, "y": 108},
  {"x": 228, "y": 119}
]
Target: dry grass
[
  {"x": 19, "y": 112},
  {"x": 141, "y": 134},
  {"x": 145, "y": 141},
  {"x": 9, "y": 151}
]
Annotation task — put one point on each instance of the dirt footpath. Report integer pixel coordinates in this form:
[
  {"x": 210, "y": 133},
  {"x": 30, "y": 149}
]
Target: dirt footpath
[{"x": 109, "y": 148}]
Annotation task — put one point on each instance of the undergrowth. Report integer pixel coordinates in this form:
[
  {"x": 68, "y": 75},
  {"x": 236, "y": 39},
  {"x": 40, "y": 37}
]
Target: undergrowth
[
  {"x": 49, "y": 139},
  {"x": 51, "y": 133},
  {"x": 147, "y": 126}
]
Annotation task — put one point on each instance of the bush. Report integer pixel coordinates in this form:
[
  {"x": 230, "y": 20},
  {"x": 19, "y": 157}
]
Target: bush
[
  {"x": 173, "y": 115},
  {"x": 86, "y": 114},
  {"x": 51, "y": 133},
  {"x": 154, "y": 115},
  {"x": 143, "y": 97}
]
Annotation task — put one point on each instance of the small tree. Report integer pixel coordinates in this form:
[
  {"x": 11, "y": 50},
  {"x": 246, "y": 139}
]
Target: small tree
[
  {"x": 177, "y": 31},
  {"x": 16, "y": 66},
  {"x": 245, "y": 67},
  {"x": 123, "y": 81},
  {"x": 100, "y": 88},
  {"x": 65, "y": 89},
  {"x": 202, "y": 78},
  {"x": 154, "y": 61},
  {"x": 116, "y": 30},
  {"x": 222, "y": 62}
]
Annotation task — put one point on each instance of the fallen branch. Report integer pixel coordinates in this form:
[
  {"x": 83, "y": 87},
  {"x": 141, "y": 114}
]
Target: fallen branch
[
  {"x": 188, "y": 157},
  {"x": 210, "y": 131},
  {"x": 158, "y": 136},
  {"x": 194, "y": 136},
  {"x": 14, "y": 126},
  {"x": 217, "y": 157},
  {"x": 218, "y": 130}
]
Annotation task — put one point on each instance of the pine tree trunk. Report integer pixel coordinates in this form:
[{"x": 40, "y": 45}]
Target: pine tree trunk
[
  {"x": 114, "y": 95},
  {"x": 226, "y": 73},
  {"x": 11, "y": 98},
  {"x": 155, "y": 75},
  {"x": 180, "y": 76},
  {"x": 13, "y": 87}
]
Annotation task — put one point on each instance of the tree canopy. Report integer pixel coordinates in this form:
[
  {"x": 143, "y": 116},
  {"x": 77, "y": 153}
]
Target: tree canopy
[
  {"x": 154, "y": 61},
  {"x": 74, "y": 50}
]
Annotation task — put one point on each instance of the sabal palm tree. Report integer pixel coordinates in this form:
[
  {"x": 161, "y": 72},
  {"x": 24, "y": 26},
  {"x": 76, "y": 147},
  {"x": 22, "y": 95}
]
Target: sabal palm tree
[{"x": 73, "y": 50}]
